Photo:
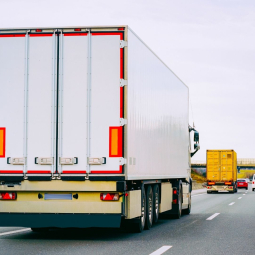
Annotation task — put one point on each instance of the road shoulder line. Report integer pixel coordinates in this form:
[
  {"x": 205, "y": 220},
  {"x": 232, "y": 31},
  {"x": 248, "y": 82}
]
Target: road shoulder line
[
  {"x": 15, "y": 231},
  {"x": 161, "y": 250}
]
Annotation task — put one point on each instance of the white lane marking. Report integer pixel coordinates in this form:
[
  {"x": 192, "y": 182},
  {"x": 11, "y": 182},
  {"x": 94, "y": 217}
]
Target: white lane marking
[
  {"x": 240, "y": 198},
  {"x": 243, "y": 194},
  {"x": 15, "y": 231},
  {"x": 232, "y": 203},
  {"x": 161, "y": 250},
  {"x": 213, "y": 216},
  {"x": 197, "y": 195}
]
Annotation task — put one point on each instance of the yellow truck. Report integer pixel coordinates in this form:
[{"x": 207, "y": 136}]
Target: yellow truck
[{"x": 221, "y": 170}]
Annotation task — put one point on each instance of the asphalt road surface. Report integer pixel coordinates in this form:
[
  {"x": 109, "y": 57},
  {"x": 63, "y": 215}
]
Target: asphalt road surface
[{"x": 218, "y": 224}]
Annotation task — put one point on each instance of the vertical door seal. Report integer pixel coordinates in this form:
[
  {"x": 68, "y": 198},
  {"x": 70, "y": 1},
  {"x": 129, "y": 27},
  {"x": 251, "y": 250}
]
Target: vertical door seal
[
  {"x": 88, "y": 101},
  {"x": 56, "y": 100},
  {"x": 26, "y": 102}
]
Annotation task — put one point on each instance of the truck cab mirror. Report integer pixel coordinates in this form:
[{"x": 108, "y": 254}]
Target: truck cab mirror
[
  {"x": 196, "y": 146},
  {"x": 196, "y": 136}
]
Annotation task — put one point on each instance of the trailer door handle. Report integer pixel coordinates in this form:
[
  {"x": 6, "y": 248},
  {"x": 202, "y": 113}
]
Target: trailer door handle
[{"x": 76, "y": 162}]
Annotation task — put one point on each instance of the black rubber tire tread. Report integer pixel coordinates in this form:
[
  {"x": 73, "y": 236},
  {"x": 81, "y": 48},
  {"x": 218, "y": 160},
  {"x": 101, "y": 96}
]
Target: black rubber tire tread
[
  {"x": 155, "y": 213},
  {"x": 149, "y": 196},
  {"x": 139, "y": 225},
  {"x": 188, "y": 210}
]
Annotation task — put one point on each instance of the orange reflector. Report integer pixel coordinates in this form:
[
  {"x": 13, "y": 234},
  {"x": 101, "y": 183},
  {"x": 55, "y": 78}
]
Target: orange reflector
[
  {"x": 228, "y": 183},
  {"x": 211, "y": 183},
  {"x": 115, "y": 143},
  {"x": 8, "y": 196},
  {"x": 2, "y": 142},
  {"x": 109, "y": 196}
]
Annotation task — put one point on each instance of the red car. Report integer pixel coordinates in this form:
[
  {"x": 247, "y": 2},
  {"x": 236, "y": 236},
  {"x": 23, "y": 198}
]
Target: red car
[{"x": 242, "y": 183}]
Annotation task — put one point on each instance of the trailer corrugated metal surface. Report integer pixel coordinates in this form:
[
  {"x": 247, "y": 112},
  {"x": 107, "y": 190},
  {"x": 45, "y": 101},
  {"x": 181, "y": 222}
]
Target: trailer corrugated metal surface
[{"x": 221, "y": 165}]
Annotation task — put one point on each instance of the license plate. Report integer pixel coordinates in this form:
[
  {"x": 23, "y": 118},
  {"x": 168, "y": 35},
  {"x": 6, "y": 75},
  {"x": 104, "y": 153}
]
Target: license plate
[{"x": 240, "y": 183}]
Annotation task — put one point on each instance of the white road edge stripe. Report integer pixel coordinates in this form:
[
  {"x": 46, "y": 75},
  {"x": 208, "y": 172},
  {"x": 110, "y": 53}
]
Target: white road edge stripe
[
  {"x": 213, "y": 216},
  {"x": 232, "y": 203},
  {"x": 161, "y": 250},
  {"x": 243, "y": 194},
  {"x": 240, "y": 198},
  {"x": 15, "y": 231}
]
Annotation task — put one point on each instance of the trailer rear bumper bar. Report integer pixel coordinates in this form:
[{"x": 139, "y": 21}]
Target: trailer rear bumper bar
[
  {"x": 61, "y": 220},
  {"x": 220, "y": 188}
]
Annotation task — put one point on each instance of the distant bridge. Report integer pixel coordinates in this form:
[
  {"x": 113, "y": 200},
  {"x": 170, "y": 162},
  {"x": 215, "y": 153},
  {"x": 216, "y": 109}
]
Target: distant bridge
[{"x": 242, "y": 163}]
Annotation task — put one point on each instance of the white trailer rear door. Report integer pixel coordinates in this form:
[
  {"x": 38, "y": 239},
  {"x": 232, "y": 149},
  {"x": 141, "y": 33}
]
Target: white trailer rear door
[
  {"x": 91, "y": 103},
  {"x": 41, "y": 104},
  {"x": 12, "y": 70}
]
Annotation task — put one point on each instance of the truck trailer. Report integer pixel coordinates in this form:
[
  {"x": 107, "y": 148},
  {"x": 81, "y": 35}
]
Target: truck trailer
[
  {"x": 93, "y": 130},
  {"x": 221, "y": 171}
]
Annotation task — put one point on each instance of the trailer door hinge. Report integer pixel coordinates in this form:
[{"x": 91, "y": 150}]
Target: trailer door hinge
[
  {"x": 123, "y": 122},
  {"x": 122, "y": 161},
  {"x": 123, "y": 82},
  {"x": 123, "y": 44}
]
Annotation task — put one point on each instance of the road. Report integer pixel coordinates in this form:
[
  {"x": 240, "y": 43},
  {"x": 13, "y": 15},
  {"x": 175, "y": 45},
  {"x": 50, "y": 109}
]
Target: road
[{"x": 218, "y": 224}]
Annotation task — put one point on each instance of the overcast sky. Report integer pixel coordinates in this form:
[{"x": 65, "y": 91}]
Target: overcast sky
[{"x": 209, "y": 44}]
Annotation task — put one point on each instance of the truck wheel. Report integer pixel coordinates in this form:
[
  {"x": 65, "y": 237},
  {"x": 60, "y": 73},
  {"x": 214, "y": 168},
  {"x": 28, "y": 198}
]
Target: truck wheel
[
  {"x": 140, "y": 223},
  {"x": 188, "y": 210},
  {"x": 149, "y": 208},
  {"x": 155, "y": 203}
]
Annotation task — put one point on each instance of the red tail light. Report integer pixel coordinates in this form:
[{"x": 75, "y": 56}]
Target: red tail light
[
  {"x": 109, "y": 196},
  {"x": 211, "y": 183},
  {"x": 175, "y": 191},
  {"x": 77, "y": 29},
  {"x": 38, "y": 30},
  {"x": 174, "y": 201},
  {"x": 8, "y": 196},
  {"x": 252, "y": 182}
]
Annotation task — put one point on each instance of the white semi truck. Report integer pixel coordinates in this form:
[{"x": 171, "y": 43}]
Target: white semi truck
[{"x": 93, "y": 130}]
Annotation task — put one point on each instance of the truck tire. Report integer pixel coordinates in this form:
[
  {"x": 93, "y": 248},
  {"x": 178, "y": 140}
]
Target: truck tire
[
  {"x": 188, "y": 210},
  {"x": 139, "y": 224},
  {"x": 155, "y": 203},
  {"x": 149, "y": 208}
]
